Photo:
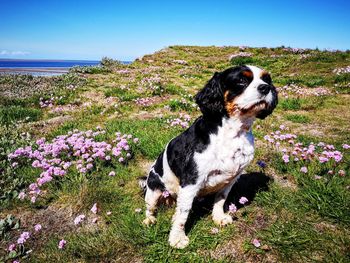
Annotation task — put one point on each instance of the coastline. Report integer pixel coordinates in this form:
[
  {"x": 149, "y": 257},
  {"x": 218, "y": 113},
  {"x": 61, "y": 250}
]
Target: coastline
[{"x": 34, "y": 71}]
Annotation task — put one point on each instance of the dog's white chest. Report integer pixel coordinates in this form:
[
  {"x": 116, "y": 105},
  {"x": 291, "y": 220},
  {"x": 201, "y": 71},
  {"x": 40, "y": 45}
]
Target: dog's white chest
[{"x": 228, "y": 153}]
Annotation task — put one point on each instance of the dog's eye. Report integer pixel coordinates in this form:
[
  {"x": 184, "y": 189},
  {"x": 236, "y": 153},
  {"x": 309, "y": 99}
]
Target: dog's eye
[
  {"x": 267, "y": 79},
  {"x": 243, "y": 81}
]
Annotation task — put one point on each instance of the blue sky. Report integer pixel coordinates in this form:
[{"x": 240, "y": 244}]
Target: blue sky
[{"x": 128, "y": 29}]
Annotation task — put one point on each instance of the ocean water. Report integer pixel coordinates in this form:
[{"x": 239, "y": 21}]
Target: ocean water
[{"x": 42, "y": 67}]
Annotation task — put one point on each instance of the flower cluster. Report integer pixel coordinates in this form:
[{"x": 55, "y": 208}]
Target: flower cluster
[
  {"x": 23, "y": 238},
  {"x": 344, "y": 70},
  {"x": 240, "y": 54},
  {"x": 232, "y": 208},
  {"x": 145, "y": 102},
  {"x": 181, "y": 62},
  {"x": 295, "y": 90},
  {"x": 185, "y": 103},
  {"x": 77, "y": 148},
  {"x": 295, "y": 50},
  {"x": 293, "y": 151},
  {"x": 46, "y": 103},
  {"x": 182, "y": 121}
]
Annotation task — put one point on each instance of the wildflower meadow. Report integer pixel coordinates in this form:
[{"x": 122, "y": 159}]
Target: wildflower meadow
[{"x": 72, "y": 148}]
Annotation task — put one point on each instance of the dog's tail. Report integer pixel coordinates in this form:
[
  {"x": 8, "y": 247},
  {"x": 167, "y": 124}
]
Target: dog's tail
[{"x": 143, "y": 183}]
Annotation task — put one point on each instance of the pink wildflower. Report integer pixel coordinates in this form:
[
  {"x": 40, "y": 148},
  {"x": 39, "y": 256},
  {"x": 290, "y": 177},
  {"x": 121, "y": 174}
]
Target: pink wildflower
[
  {"x": 346, "y": 146},
  {"x": 232, "y": 208},
  {"x": 37, "y": 227},
  {"x": 21, "y": 195},
  {"x": 256, "y": 242},
  {"x": 285, "y": 158},
  {"x": 62, "y": 244},
  {"x": 165, "y": 194},
  {"x": 112, "y": 173},
  {"x": 12, "y": 247},
  {"x": 79, "y": 219},
  {"x": 243, "y": 200},
  {"x": 94, "y": 208},
  {"x": 303, "y": 169}
]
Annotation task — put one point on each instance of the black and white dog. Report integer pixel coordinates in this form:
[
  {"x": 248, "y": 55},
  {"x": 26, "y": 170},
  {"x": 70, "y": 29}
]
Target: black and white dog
[{"x": 211, "y": 154}]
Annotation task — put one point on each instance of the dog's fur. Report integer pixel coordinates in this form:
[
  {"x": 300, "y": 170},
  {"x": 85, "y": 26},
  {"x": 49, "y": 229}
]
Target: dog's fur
[{"x": 211, "y": 154}]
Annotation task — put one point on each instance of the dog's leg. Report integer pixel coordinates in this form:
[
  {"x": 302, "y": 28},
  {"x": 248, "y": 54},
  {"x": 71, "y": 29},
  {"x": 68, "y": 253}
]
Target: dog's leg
[
  {"x": 218, "y": 214},
  {"x": 151, "y": 198},
  {"x": 186, "y": 195}
]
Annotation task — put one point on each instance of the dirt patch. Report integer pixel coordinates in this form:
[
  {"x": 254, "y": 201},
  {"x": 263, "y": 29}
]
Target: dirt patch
[{"x": 56, "y": 221}]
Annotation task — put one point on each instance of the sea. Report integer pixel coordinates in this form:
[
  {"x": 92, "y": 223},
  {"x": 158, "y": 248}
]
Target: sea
[{"x": 42, "y": 67}]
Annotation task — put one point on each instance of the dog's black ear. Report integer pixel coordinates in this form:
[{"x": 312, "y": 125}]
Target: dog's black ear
[{"x": 211, "y": 99}]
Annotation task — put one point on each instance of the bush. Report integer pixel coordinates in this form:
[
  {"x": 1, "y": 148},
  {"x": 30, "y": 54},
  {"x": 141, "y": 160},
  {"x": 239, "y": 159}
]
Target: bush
[{"x": 109, "y": 62}]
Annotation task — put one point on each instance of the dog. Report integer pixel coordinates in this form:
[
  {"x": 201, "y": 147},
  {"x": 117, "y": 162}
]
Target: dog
[{"x": 212, "y": 153}]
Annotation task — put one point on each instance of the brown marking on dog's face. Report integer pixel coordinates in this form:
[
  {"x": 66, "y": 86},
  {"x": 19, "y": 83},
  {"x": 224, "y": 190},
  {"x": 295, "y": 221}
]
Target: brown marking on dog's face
[
  {"x": 265, "y": 76},
  {"x": 263, "y": 73},
  {"x": 230, "y": 104},
  {"x": 248, "y": 74}
]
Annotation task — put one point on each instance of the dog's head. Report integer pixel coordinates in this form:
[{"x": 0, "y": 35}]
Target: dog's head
[{"x": 238, "y": 91}]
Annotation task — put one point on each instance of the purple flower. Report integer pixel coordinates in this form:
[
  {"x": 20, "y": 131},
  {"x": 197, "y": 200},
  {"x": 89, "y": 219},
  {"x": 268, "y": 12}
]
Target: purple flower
[
  {"x": 232, "y": 208},
  {"x": 23, "y": 238},
  {"x": 94, "y": 208},
  {"x": 79, "y": 219},
  {"x": 243, "y": 200},
  {"x": 37, "y": 227},
  {"x": 262, "y": 164},
  {"x": 256, "y": 242},
  {"x": 11, "y": 247},
  {"x": 303, "y": 169},
  {"x": 165, "y": 194},
  {"x": 285, "y": 158},
  {"x": 21, "y": 195},
  {"x": 323, "y": 159},
  {"x": 62, "y": 244},
  {"x": 346, "y": 146}
]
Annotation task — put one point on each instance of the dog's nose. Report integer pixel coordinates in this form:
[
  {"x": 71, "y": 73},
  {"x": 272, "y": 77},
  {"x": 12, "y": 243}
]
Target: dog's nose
[{"x": 264, "y": 89}]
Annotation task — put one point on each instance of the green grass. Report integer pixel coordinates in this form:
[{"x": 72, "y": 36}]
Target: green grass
[
  {"x": 290, "y": 104},
  {"x": 11, "y": 114},
  {"x": 297, "y": 118}
]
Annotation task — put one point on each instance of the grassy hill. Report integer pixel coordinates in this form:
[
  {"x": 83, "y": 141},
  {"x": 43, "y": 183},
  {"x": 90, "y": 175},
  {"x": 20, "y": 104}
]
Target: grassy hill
[{"x": 297, "y": 186}]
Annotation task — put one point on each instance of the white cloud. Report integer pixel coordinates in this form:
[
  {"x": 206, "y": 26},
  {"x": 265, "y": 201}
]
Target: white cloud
[{"x": 14, "y": 53}]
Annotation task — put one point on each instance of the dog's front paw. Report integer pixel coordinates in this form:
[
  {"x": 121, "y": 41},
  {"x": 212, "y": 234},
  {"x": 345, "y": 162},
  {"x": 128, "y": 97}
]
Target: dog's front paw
[
  {"x": 222, "y": 220},
  {"x": 178, "y": 239},
  {"x": 150, "y": 220}
]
